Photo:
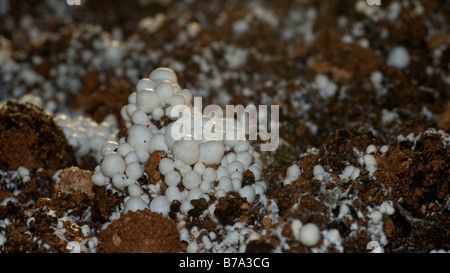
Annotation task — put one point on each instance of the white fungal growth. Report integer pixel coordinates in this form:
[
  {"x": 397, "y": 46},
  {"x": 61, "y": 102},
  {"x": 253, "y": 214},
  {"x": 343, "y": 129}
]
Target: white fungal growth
[
  {"x": 87, "y": 136},
  {"x": 172, "y": 178},
  {"x": 371, "y": 163},
  {"x": 248, "y": 192},
  {"x": 384, "y": 149},
  {"x": 296, "y": 226},
  {"x": 3, "y": 239},
  {"x": 112, "y": 164},
  {"x": 187, "y": 151},
  {"x": 160, "y": 204},
  {"x": 99, "y": 179},
  {"x": 387, "y": 207},
  {"x": 371, "y": 149},
  {"x": 211, "y": 152},
  {"x": 191, "y": 168},
  {"x": 166, "y": 165},
  {"x": 399, "y": 57},
  {"x": 191, "y": 180},
  {"x": 376, "y": 217},
  {"x": 320, "y": 173},
  {"x": 309, "y": 235},
  {"x": 139, "y": 137},
  {"x": 24, "y": 173},
  {"x": 326, "y": 87},
  {"x": 293, "y": 173},
  {"x": 134, "y": 203},
  {"x": 350, "y": 173}
]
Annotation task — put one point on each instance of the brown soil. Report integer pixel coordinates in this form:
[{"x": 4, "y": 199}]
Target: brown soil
[
  {"x": 99, "y": 100},
  {"x": 32, "y": 139},
  {"x": 141, "y": 231},
  {"x": 76, "y": 180}
]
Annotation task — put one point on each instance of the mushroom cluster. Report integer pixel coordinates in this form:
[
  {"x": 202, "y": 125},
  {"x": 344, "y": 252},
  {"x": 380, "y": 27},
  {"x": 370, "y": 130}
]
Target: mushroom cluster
[{"x": 189, "y": 168}]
